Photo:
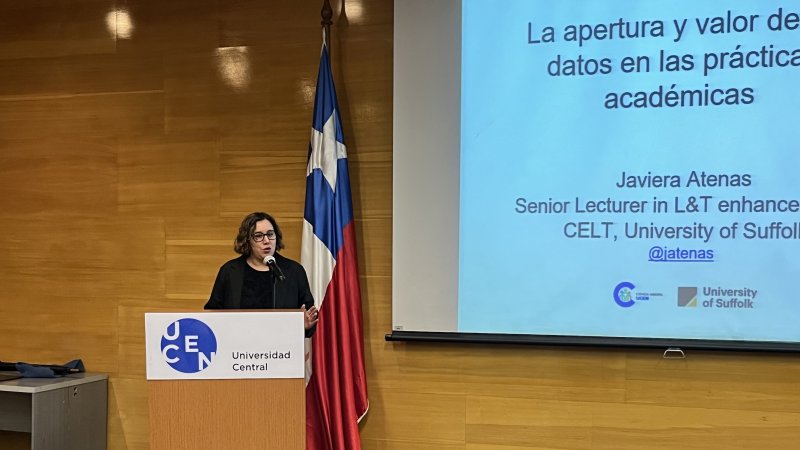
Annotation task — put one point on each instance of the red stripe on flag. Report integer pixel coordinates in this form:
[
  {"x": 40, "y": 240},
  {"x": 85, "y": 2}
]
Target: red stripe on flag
[{"x": 336, "y": 395}]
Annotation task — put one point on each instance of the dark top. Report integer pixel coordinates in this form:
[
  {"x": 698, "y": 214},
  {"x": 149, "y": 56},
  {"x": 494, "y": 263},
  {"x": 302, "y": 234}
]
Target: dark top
[
  {"x": 233, "y": 288},
  {"x": 257, "y": 289}
]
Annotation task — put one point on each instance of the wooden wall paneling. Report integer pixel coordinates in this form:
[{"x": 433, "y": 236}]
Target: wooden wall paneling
[
  {"x": 268, "y": 141},
  {"x": 409, "y": 370},
  {"x": 192, "y": 267},
  {"x": 271, "y": 179},
  {"x": 195, "y": 97},
  {"x": 288, "y": 22},
  {"x": 546, "y": 374},
  {"x": 292, "y": 228},
  {"x": 58, "y": 175},
  {"x": 567, "y": 424},
  {"x": 128, "y": 422},
  {"x": 376, "y": 314},
  {"x": 81, "y": 74},
  {"x": 528, "y": 422},
  {"x": 628, "y": 426},
  {"x": 40, "y": 29},
  {"x": 83, "y": 115},
  {"x": 52, "y": 328},
  {"x": 288, "y": 124},
  {"x": 85, "y": 257},
  {"x": 726, "y": 380},
  {"x": 170, "y": 28},
  {"x": 382, "y": 444},
  {"x": 368, "y": 103},
  {"x": 213, "y": 229},
  {"x": 170, "y": 176},
  {"x": 374, "y": 245},
  {"x": 487, "y": 372},
  {"x": 195, "y": 249},
  {"x": 360, "y": 56},
  {"x": 291, "y": 75},
  {"x": 62, "y": 295},
  {"x": 507, "y": 447},
  {"x": 371, "y": 134},
  {"x": 372, "y": 171},
  {"x": 410, "y": 417}
]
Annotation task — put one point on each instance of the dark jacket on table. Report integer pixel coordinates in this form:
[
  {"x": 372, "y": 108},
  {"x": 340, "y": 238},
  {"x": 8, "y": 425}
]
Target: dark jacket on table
[{"x": 291, "y": 293}]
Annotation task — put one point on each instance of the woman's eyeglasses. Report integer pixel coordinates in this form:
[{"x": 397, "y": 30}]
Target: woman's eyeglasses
[{"x": 258, "y": 237}]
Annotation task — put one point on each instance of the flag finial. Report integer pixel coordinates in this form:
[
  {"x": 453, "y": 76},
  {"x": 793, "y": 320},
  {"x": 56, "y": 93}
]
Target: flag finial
[{"x": 327, "y": 20}]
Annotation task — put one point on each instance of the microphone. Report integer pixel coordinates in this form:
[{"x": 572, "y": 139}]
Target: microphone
[{"x": 269, "y": 260}]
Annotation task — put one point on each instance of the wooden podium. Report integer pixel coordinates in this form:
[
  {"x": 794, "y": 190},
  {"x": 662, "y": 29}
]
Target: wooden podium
[{"x": 248, "y": 393}]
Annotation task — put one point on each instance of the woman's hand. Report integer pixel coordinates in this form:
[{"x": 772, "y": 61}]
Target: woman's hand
[{"x": 311, "y": 316}]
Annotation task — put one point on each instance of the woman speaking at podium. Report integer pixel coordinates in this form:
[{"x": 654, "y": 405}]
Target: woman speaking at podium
[{"x": 261, "y": 278}]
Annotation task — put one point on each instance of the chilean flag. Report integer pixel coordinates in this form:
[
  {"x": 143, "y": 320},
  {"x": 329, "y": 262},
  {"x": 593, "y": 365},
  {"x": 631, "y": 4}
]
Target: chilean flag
[{"x": 336, "y": 393}]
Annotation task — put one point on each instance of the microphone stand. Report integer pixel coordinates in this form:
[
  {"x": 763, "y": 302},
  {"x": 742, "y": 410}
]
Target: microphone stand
[
  {"x": 274, "y": 290},
  {"x": 277, "y": 275}
]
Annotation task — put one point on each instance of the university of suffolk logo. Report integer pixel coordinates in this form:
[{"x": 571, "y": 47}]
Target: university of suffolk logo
[
  {"x": 687, "y": 297},
  {"x": 188, "y": 345}
]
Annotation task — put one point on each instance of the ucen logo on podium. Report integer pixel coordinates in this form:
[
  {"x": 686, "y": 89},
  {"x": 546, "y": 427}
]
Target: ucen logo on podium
[{"x": 188, "y": 345}]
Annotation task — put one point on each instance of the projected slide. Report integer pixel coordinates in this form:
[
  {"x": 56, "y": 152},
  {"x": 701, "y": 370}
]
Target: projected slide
[{"x": 630, "y": 168}]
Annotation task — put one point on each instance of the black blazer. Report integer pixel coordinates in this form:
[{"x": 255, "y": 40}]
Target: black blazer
[{"x": 291, "y": 293}]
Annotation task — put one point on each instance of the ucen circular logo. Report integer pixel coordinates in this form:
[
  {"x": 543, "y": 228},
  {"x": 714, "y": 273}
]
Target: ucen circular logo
[{"x": 188, "y": 345}]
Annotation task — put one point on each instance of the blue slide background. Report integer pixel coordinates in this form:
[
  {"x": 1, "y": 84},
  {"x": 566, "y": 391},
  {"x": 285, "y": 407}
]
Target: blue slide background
[{"x": 526, "y": 134}]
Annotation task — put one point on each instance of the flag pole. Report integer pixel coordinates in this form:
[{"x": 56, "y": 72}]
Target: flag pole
[{"x": 327, "y": 21}]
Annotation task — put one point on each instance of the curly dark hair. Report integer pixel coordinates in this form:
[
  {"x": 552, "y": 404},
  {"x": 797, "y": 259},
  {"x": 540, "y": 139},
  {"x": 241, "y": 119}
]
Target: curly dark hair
[{"x": 242, "y": 243}]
